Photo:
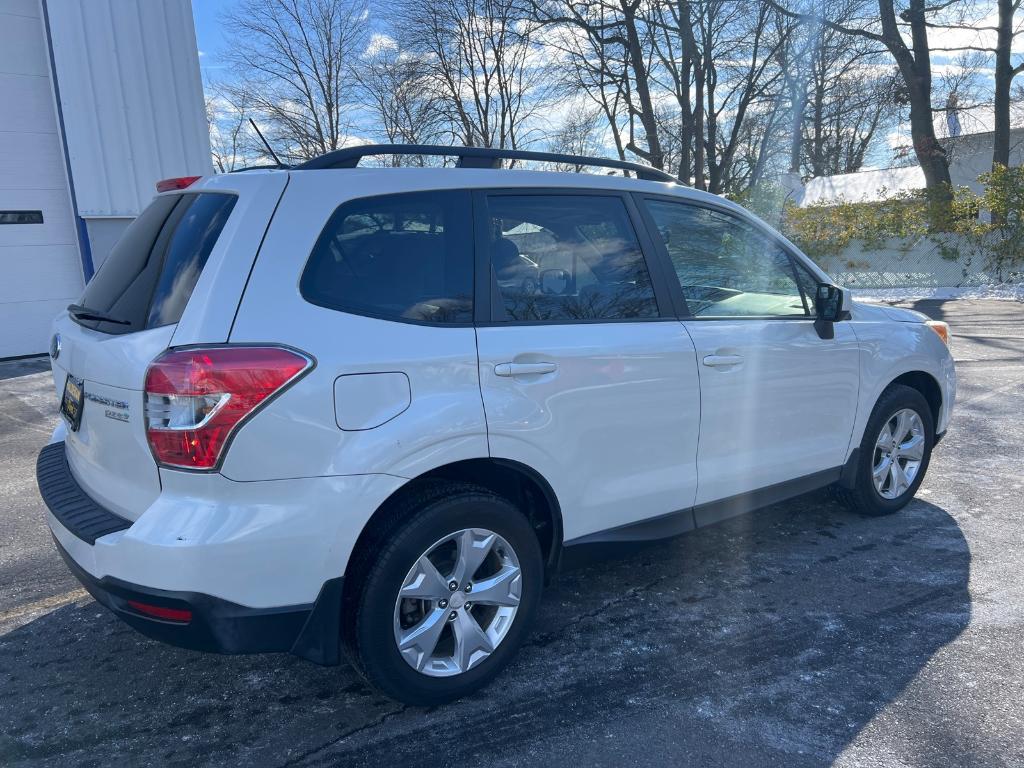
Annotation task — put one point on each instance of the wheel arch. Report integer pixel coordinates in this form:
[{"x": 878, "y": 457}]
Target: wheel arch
[
  {"x": 927, "y": 385},
  {"x": 521, "y": 484}
]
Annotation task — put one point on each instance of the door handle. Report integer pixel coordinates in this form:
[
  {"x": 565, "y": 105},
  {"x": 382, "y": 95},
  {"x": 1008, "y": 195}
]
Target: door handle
[
  {"x": 719, "y": 361},
  {"x": 523, "y": 369}
]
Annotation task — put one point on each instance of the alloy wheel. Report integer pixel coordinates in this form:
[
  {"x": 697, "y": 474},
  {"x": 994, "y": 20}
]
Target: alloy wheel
[
  {"x": 457, "y": 602},
  {"x": 899, "y": 451}
]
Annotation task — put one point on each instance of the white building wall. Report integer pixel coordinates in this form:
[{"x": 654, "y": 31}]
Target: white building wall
[
  {"x": 969, "y": 157},
  {"x": 132, "y": 98},
  {"x": 40, "y": 267}
]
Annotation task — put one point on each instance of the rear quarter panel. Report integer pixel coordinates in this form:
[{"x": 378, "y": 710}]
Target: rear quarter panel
[
  {"x": 211, "y": 309},
  {"x": 298, "y": 434}
]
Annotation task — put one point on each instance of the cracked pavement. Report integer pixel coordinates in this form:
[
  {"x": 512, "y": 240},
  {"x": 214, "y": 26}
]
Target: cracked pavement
[{"x": 799, "y": 635}]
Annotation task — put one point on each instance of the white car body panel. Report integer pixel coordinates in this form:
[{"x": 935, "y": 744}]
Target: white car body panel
[
  {"x": 444, "y": 421},
  {"x": 785, "y": 410},
  {"x": 613, "y": 430},
  {"x": 209, "y": 314},
  {"x": 257, "y": 544},
  {"x": 889, "y": 348},
  {"x": 108, "y": 456}
]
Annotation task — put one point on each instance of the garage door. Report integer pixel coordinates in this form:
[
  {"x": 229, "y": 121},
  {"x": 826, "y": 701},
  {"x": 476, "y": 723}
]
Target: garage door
[{"x": 40, "y": 268}]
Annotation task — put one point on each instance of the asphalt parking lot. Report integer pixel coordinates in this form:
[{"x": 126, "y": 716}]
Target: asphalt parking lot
[{"x": 799, "y": 635}]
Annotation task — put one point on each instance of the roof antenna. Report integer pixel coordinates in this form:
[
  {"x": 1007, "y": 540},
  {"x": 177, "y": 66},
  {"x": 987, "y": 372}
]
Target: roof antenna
[{"x": 266, "y": 144}]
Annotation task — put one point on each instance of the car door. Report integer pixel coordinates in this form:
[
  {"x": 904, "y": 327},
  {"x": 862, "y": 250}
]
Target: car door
[
  {"x": 778, "y": 402},
  {"x": 586, "y": 375}
]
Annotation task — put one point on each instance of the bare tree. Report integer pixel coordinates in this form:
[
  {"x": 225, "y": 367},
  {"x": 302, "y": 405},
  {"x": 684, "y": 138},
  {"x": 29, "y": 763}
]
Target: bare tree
[
  {"x": 399, "y": 94},
  {"x": 585, "y": 65},
  {"x": 839, "y": 93},
  {"x": 615, "y": 32},
  {"x": 228, "y": 122},
  {"x": 294, "y": 61},
  {"x": 579, "y": 134},
  {"x": 479, "y": 57},
  {"x": 1008, "y": 28},
  {"x": 687, "y": 73},
  {"x": 882, "y": 22}
]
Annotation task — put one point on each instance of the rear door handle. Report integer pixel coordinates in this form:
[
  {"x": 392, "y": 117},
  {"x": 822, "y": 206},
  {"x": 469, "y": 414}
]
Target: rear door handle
[
  {"x": 523, "y": 369},
  {"x": 718, "y": 361}
]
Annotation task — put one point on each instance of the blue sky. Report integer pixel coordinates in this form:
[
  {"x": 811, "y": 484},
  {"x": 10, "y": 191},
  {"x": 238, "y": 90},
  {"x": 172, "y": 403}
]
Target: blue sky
[{"x": 209, "y": 35}]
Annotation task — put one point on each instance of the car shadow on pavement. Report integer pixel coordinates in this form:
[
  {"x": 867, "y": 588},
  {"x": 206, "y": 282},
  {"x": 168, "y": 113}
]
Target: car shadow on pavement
[{"x": 776, "y": 637}]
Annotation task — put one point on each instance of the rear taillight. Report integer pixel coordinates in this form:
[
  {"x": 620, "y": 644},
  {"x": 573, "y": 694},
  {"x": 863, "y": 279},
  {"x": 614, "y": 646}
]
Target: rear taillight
[
  {"x": 180, "y": 615},
  {"x": 182, "y": 182},
  {"x": 196, "y": 398}
]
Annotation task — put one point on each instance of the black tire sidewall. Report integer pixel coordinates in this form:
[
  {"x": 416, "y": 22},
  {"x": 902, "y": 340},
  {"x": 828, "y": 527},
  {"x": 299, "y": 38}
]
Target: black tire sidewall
[
  {"x": 893, "y": 400},
  {"x": 378, "y": 653}
]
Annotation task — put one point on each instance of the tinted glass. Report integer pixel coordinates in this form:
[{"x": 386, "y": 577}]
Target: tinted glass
[
  {"x": 198, "y": 226},
  {"x": 124, "y": 282},
  {"x": 726, "y": 268},
  {"x": 403, "y": 257},
  {"x": 149, "y": 275},
  {"x": 567, "y": 257}
]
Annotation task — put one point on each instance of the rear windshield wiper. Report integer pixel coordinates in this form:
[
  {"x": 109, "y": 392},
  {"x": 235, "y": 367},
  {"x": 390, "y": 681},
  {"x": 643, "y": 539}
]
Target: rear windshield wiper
[{"x": 79, "y": 312}]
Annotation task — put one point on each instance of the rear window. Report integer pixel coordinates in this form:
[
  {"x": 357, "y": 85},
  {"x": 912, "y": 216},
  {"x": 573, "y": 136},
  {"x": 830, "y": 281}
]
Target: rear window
[
  {"x": 149, "y": 275},
  {"x": 400, "y": 257}
]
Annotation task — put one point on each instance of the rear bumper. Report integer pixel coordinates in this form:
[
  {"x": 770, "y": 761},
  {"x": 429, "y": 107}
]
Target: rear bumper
[
  {"x": 205, "y": 623},
  {"x": 120, "y": 562}
]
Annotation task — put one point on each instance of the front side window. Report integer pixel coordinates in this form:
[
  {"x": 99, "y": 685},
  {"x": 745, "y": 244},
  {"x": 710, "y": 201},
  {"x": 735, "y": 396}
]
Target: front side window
[
  {"x": 401, "y": 257},
  {"x": 726, "y": 267},
  {"x": 561, "y": 258}
]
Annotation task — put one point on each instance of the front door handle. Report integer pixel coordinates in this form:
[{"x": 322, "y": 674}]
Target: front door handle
[
  {"x": 523, "y": 369},
  {"x": 718, "y": 361}
]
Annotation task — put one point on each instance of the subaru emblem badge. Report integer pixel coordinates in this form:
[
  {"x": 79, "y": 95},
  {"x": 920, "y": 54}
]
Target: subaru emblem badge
[{"x": 55, "y": 346}]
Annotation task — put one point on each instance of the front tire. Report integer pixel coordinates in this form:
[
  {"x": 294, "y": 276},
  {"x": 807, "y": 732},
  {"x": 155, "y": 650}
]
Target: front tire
[
  {"x": 450, "y": 596},
  {"x": 894, "y": 453}
]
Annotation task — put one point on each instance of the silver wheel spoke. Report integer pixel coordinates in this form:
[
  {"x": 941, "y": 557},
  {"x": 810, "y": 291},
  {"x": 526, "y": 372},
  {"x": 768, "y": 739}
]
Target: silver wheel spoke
[
  {"x": 424, "y": 582},
  {"x": 471, "y": 642},
  {"x": 884, "y": 439},
  {"x": 913, "y": 448},
  {"x": 503, "y": 588},
  {"x": 902, "y": 426},
  {"x": 418, "y": 643},
  {"x": 899, "y": 480},
  {"x": 881, "y": 472},
  {"x": 473, "y": 547}
]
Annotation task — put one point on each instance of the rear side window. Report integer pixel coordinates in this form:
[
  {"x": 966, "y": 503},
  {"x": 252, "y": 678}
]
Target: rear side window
[
  {"x": 399, "y": 257},
  {"x": 563, "y": 258},
  {"x": 196, "y": 231},
  {"x": 149, "y": 275}
]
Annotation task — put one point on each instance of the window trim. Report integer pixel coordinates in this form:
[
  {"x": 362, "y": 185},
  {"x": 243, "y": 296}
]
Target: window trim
[
  {"x": 489, "y": 302},
  {"x": 795, "y": 259},
  {"x": 466, "y": 195}
]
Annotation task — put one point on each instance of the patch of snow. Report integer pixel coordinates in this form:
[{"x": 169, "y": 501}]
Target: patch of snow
[{"x": 1003, "y": 292}]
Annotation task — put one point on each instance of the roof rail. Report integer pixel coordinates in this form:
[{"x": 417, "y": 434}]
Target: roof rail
[{"x": 474, "y": 157}]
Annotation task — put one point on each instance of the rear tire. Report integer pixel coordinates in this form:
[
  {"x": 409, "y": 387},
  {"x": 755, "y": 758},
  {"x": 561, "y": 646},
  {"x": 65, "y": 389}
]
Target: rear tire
[
  {"x": 894, "y": 453},
  {"x": 455, "y": 641}
]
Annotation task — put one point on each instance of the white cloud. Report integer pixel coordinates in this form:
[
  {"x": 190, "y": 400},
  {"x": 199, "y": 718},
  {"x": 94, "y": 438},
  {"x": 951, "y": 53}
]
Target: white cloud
[{"x": 380, "y": 42}]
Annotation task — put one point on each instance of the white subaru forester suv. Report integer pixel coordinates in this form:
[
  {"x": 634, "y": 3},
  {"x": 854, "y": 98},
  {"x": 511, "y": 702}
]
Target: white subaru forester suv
[{"x": 368, "y": 412}]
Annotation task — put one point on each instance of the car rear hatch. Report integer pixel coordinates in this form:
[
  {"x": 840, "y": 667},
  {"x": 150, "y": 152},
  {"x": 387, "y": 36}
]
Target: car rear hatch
[{"x": 128, "y": 315}]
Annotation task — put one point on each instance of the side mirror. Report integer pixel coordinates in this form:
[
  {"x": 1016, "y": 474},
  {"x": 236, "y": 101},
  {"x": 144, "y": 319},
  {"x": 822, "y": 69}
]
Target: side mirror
[
  {"x": 828, "y": 309},
  {"x": 554, "y": 282}
]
